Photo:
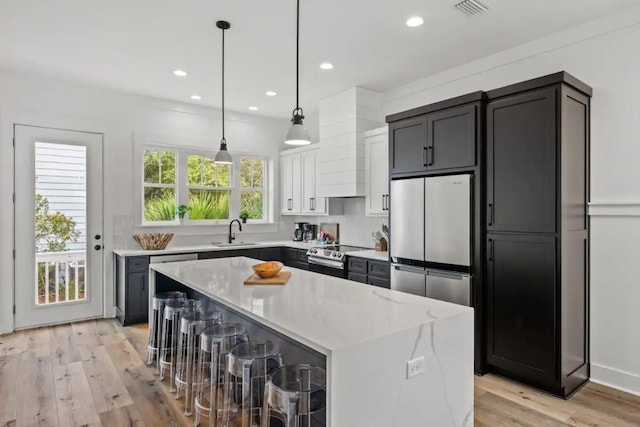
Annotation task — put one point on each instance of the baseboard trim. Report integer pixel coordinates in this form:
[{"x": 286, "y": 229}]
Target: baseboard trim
[
  {"x": 615, "y": 378},
  {"x": 614, "y": 209}
]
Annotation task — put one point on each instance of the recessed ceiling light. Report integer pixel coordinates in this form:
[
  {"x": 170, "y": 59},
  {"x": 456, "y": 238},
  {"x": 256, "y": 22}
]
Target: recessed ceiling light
[
  {"x": 326, "y": 66},
  {"x": 415, "y": 21},
  {"x": 180, "y": 73},
  {"x": 253, "y": 108},
  {"x": 196, "y": 97},
  {"x": 270, "y": 93}
]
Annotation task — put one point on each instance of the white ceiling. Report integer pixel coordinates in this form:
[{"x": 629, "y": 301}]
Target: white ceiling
[{"x": 134, "y": 45}]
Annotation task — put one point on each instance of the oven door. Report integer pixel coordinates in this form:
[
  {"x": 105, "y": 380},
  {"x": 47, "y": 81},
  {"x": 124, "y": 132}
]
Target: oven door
[{"x": 328, "y": 267}]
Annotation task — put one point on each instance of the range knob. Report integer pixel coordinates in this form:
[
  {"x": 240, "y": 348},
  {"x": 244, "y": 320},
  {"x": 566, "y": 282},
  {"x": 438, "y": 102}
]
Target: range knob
[
  {"x": 313, "y": 250},
  {"x": 334, "y": 254}
]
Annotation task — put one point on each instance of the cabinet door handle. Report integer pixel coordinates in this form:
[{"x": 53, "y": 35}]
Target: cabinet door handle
[
  {"x": 386, "y": 202},
  {"x": 312, "y": 203},
  {"x": 425, "y": 162},
  {"x": 490, "y": 214},
  {"x": 290, "y": 204},
  {"x": 490, "y": 249},
  {"x": 430, "y": 155},
  {"x": 383, "y": 202}
]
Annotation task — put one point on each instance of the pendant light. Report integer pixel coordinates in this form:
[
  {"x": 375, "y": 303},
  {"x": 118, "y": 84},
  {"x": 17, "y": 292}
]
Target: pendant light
[
  {"x": 297, "y": 134},
  {"x": 223, "y": 156}
]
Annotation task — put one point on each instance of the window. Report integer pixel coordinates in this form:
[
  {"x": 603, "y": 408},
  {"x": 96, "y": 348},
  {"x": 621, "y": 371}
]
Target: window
[
  {"x": 252, "y": 187},
  {"x": 209, "y": 187},
  {"x": 214, "y": 192},
  {"x": 159, "y": 185}
]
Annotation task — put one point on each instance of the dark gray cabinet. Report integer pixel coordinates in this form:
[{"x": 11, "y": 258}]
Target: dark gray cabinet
[
  {"x": 435, "y": 138},
  {"x": 408, "y": 145},
  {"x": 372, "y": 272},
  {"x": 296, "y": 258},
  {"x": 521, "y": 162},
  {"x": 132, "y": 289},
  {"x": 521, "y": 284},
  {"x": 451, "y": 138},
  {"x": 537, "y": 296}
]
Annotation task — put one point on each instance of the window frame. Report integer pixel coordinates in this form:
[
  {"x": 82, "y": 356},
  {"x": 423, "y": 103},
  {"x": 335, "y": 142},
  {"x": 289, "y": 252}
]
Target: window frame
[
  {"x": 182, "y": 186},
  {"x": 145, "y": 185}
]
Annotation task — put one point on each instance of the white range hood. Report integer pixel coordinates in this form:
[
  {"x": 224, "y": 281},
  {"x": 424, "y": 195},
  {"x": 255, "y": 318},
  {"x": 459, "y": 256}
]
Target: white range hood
[{"x": 343, "y": 119}]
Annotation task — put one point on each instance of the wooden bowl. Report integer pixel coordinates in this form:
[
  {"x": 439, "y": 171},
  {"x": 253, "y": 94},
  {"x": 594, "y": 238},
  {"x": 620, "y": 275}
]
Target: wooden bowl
[
  {"x": 153, "y": 241},
  {"x": 267, "y": 269}
]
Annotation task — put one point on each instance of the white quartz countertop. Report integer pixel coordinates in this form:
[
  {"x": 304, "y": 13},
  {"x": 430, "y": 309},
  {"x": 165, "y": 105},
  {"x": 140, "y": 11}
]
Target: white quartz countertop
[
  {"x": 370, "y": 254},
  {"x": 326, "y": 313},
  {"x": 210, "y": 248}
]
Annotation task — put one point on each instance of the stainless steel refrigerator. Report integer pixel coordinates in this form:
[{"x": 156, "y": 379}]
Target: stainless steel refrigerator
[{"x": 431, "y": 237}]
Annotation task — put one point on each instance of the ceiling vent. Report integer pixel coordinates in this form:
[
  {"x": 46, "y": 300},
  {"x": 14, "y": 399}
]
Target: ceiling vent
[{"x": 472, "y": 7}]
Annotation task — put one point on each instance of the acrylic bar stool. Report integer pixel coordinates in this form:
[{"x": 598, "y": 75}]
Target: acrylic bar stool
[
  {"x": 293, "y": 394},
  {"x": 248, "y": 365},
  {"x": 215, "y": 344},
  {"x": 157, "y": 305},
  {"x": 191, "y": 327},
  {"x": 173, "y": 311}
]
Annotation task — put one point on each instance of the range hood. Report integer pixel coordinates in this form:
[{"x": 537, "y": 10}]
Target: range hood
[{"x": 343, "y": 119}]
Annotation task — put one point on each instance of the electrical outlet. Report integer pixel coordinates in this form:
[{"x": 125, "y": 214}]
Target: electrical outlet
[{"x": 415, "y": 367}]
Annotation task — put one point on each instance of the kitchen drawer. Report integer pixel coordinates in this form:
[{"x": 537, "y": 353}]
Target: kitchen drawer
[
  {"x": 379, "y": 269},
  {"x": 139, "y": 264},
  {"x": 357, "y": 277},
  {"x": 357, "y": 265},
  {"x": 270, "y": 254},
  {"x": 302, "y": 265},
  {"x": 381, "y": 283},
  {"x": 302, "y": 256}
]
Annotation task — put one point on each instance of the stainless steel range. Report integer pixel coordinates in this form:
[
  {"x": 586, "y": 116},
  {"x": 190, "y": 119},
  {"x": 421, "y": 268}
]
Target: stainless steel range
[{"x": 331, "y": 259}]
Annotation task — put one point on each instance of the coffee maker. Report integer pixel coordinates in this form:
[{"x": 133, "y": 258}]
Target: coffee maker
[
  {"x": 298, "y": 231},
  {"x": 310, "y": 232}
]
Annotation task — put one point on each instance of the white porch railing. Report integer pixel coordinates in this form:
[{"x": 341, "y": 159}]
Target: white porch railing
[{"x": 60, "y": 277}]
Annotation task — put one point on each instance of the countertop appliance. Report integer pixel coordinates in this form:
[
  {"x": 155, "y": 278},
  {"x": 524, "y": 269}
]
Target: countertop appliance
[
  {"x": 298, "y": 231},
  {"x": 330, "y": 259},
  {"x": 310, "y": 232},
  {"x": 431, "y": 237}
]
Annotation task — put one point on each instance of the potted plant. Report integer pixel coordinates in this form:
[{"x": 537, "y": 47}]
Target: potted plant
[
  {"x": 243, "y": 216},
  {"x": 182, "y": 210}
]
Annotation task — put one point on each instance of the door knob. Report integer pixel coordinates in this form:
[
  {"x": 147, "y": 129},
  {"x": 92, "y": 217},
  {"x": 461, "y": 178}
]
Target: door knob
[
  {"x": 97, "y": 237},
  {"x": 97, "y": 247}
]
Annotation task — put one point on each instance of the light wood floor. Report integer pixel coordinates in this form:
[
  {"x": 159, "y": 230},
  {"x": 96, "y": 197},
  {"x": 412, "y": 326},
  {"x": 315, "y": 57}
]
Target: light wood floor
[{"x": 92, "y": 373}]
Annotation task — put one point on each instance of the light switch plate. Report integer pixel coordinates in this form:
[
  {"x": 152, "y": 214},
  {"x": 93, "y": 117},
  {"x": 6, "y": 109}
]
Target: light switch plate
[{"x": 415, "y": 367}]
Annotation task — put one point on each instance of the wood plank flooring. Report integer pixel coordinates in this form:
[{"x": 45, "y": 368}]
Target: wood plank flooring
[{"x": 93, "y": 374}]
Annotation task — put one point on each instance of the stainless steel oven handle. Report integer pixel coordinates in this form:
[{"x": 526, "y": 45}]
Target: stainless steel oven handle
[{"x": 326, "y": 263}]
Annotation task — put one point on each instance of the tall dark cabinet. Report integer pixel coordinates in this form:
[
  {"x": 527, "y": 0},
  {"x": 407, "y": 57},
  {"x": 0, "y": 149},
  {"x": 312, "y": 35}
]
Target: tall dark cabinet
[{"x": 537, "y": 232}]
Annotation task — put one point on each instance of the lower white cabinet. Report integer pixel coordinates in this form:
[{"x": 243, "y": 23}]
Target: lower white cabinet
[
  {"x": 377, "y": 172},
  {"x": 298, "y": 184}
]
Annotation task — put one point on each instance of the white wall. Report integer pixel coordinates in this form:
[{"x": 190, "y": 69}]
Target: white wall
[
  {"x": 604, "y": 54},
  {"x": 42, "y": 101}
]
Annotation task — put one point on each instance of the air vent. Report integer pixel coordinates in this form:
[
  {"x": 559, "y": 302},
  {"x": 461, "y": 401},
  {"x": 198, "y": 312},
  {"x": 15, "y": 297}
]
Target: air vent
[{"x": 472, "y": 7}]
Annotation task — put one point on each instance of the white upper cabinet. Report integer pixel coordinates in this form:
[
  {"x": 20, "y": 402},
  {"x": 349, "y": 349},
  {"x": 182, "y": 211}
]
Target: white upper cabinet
[
  {"x": 377, "y": 172},
  {"x": 299, "y": 183}
]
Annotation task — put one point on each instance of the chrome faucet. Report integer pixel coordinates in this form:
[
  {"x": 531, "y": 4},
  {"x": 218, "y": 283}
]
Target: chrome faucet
[{"x": 232, "y": 236}]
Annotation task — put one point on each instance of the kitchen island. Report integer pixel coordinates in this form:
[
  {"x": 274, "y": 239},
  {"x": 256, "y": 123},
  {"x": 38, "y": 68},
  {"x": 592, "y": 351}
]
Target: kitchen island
[{"x": 364, "y": 336}]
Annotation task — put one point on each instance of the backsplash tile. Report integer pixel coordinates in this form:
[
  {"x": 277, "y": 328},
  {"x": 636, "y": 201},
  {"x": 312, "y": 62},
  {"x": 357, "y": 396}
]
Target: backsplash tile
[{"x": 355, "y": 227}]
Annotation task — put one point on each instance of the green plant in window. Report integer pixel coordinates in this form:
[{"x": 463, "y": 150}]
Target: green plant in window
[
  {"x": 182, "y": 210},
  {"x": 160, "y": 208},
  {"x": 206, "y": 204},
  {"x": 244, "y": 215}
]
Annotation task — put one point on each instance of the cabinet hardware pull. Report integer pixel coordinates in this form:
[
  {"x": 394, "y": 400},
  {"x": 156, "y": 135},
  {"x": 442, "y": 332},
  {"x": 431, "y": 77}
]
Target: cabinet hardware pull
[
  {"x": 312, "y": 203},
  {"x": 430, "y": 155},
  {"x": 490, "y": 249},
  {"x": 490, "y": 214},
  {"x": 425, "y": 162},
  {"x": 383, "y": 202}
]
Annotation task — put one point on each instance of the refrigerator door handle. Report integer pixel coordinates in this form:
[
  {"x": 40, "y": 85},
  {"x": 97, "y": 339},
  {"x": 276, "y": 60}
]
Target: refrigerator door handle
[
  {"x": 447, "y": 274},
  {"x": 409, "y": 269}
]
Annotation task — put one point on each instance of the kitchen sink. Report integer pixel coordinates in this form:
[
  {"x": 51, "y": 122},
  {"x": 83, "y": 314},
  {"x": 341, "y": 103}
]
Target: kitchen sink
[{"x": 227, "y": 245}]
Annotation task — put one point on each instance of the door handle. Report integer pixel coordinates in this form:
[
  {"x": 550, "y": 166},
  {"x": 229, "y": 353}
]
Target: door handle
[
  {"x": 98, "y": 237},
  {"x": 490, "y": 214},
  {"x": 490, "y": 249},
  {"x": 425, "y": 162},
  {"x": 97, "y": 247},
  {"x": 430, "y": 156},
  {"x": 312, "y": 202},
  {"x": 383, "y": 202}
]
